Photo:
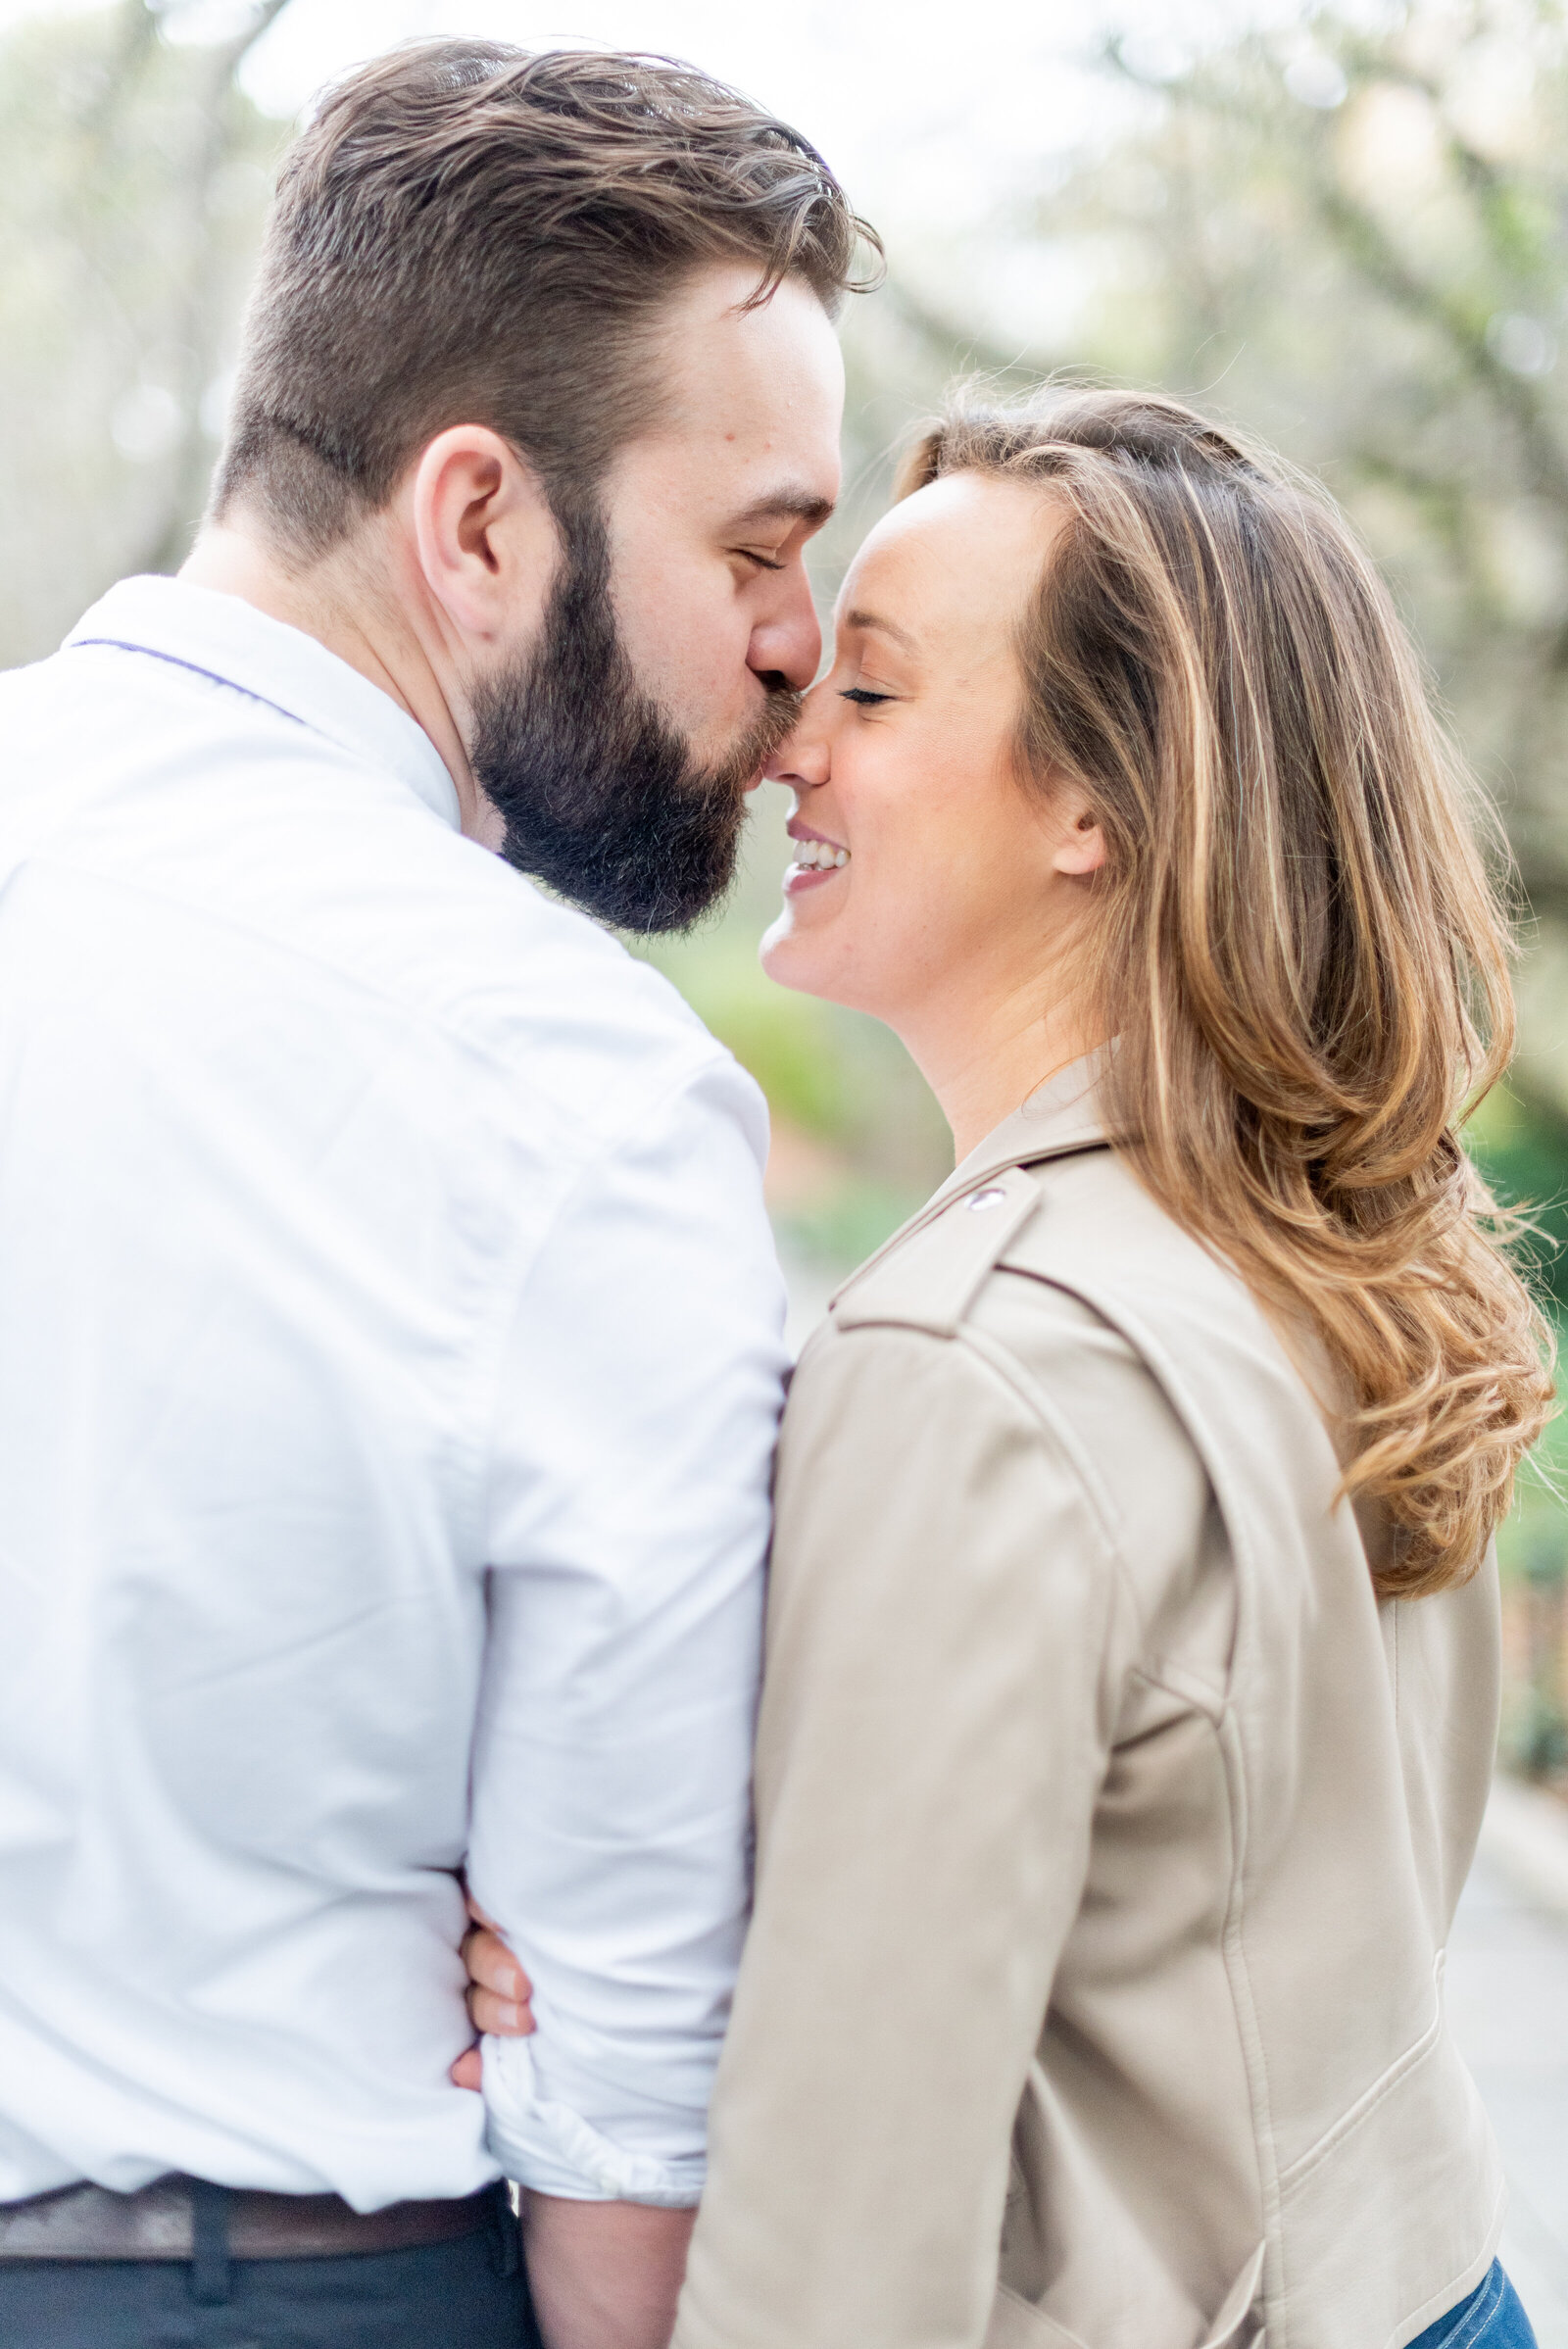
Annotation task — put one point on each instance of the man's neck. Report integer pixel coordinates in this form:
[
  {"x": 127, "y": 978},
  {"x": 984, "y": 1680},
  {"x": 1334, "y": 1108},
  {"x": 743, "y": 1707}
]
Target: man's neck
[{"x": 335, "y": 602}]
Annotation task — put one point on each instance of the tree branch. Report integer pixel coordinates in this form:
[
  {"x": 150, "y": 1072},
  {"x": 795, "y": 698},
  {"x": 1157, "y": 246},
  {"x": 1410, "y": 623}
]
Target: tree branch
[
  {"x": 1372, "y": 252},
  {"x": 232, "y": 55},
  {"x": 188, "y": 473}
]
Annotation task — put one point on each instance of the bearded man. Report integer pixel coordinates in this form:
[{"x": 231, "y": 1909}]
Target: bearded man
[{"x": 392, "y": 1344}]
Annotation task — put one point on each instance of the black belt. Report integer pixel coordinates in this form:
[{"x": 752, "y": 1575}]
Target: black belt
[{"x": 171, "y": 2217}]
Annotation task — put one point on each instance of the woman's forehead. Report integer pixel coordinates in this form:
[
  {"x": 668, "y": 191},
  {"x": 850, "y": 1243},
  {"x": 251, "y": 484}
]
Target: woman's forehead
[{"x": 964, "y": 552}]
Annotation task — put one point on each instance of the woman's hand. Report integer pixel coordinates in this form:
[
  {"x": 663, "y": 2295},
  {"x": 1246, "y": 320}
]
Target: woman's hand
[{"x": 499, "y": 1992}]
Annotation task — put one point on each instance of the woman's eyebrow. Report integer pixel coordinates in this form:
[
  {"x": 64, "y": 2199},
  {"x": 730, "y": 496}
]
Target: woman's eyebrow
[{"x": 874, "y": 620}]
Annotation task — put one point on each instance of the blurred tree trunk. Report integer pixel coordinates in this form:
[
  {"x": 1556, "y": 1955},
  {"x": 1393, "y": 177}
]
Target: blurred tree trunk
[
  {"x": 220, "y": 130},
  {"x": 133, "y": 183}
]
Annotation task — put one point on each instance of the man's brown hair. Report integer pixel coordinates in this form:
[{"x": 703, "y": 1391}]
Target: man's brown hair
[{"x": 470, "y": 233}]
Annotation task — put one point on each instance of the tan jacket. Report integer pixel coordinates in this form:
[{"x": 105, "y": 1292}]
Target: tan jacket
[{"x": 1108, "y": 1833}]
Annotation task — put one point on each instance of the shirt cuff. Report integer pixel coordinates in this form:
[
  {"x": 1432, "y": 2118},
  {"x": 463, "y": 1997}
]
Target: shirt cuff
[{"x": 551, "y": 2149}]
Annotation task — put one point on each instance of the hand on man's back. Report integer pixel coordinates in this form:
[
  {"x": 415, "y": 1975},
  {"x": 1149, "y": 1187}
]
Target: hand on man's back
[{"x": 499, "y": 1994}]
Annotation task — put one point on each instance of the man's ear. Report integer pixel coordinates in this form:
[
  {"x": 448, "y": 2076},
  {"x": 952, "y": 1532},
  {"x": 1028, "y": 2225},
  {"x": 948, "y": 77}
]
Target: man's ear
[
  {"x": 483, "y": 533},
  {"x": 1080, "y": 841}
]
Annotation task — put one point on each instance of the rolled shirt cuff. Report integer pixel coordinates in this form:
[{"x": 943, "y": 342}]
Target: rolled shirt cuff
[{"x": 551, "y": 2149}]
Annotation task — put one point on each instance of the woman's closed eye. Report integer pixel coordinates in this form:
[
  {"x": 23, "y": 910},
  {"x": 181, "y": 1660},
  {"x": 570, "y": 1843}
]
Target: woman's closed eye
[{"x": 862, "y": 698}]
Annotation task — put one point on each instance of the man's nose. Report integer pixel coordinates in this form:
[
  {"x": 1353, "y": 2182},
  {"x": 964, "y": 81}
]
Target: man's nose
[{"x": 788, "y": 642}]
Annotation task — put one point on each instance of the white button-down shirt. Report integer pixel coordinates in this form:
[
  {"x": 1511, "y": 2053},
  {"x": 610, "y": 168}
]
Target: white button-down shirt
[{"x": 390, "y": 1358}]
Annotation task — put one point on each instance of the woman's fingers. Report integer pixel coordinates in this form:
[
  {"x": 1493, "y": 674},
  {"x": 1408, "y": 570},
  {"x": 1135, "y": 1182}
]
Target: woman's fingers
[
  {"x": 499, "y": 1991},
  {"x": 492, "y": 1965},
  {"x": 468, "y": 2070},
  {"x": 504, "y": 2018}
]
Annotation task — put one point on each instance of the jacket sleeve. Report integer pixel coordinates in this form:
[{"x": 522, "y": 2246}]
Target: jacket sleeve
[{"x": 936, "y": 1718}]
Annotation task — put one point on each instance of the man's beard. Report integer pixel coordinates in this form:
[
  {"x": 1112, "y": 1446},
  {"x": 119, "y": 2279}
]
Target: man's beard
[{"x": 600, "y": 796}]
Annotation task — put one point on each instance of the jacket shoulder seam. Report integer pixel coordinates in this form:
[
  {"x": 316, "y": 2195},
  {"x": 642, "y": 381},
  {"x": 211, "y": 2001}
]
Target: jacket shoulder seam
[{"x": 900, "y": 1287}]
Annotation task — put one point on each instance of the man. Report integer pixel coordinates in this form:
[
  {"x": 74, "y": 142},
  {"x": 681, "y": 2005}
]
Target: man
[{"x": 390, "y": 1351}]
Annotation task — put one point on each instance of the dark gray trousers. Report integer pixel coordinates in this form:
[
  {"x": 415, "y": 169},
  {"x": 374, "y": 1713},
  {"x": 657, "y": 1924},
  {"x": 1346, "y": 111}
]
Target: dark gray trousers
[{"x": 470, "y": 2295}]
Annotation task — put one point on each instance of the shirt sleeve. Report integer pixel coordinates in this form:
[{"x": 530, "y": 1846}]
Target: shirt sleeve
[
  {"x": 628, "y": 1533},
  {"x": 934, "y": 1727}
]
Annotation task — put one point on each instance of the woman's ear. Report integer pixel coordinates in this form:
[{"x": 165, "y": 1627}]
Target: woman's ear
[{"x": 1080, "y": 843}]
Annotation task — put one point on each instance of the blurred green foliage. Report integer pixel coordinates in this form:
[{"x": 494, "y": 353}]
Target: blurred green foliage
[
  {"x": 785, "y": 1040},
  {"x": 1523, "y": 1154},
  {"x": 846, "y": 1226},
  {"x": 859, "y": 1142}
]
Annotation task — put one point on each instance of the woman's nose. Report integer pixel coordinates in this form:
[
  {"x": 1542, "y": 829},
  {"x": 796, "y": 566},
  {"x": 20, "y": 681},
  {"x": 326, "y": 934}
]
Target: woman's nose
[
  {"x": 800, "y": 762},
  {"x": 802, "y": 758}
]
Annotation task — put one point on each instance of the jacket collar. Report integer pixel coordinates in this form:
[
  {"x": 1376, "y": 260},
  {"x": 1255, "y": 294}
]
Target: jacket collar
[
  {"x": 225, "y": 638},
  {"x": 1060, "y": 1117}
]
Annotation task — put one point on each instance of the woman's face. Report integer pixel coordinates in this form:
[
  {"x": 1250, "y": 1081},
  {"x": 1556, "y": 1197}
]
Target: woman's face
[{"x": 927, "y": 873}]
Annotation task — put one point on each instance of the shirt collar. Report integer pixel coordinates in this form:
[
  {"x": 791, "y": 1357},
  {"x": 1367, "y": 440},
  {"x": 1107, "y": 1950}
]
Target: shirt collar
[{"x": 223, "y": 637}]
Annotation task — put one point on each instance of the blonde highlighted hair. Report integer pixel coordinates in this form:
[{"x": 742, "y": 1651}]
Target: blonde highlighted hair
[{"x": 1300, "y": 951}]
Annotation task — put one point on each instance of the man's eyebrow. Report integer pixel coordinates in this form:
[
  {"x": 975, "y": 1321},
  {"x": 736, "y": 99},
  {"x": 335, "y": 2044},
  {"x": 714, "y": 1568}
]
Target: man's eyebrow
[
  {"x": 784, "y": 504},
  {"x": 873, "y": 620}
]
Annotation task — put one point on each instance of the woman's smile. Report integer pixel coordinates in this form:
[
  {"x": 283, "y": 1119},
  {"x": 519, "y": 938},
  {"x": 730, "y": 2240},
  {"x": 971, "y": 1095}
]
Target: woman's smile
[
  {"x": 972, "y": 882},
  {"x": 815, "y": 860}
]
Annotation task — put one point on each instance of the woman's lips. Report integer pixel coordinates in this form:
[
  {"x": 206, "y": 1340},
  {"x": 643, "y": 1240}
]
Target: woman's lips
[{"x": 801, "y": 877}]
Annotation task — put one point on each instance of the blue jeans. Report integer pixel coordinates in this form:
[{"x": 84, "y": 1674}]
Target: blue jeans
[{"x": 1491, "y": 2319}]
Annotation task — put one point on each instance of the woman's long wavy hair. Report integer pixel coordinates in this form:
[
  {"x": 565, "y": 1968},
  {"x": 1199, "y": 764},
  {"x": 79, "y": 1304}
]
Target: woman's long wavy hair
[{"x": 1298, "y": 950}]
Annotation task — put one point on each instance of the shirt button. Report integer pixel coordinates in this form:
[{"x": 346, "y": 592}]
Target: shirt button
[{"x": 983, "y": 1199}]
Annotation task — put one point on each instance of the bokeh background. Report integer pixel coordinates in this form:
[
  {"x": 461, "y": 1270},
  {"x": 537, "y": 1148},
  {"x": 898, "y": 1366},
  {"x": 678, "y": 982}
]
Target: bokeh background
[{"x": 1347, "y": 230}]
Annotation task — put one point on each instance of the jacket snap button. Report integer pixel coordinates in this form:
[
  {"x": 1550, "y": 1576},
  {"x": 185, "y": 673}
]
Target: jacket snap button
[{"x": 983, "y": 1199}]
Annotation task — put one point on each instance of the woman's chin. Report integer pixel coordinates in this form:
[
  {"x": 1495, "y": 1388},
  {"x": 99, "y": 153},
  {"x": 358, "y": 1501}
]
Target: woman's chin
[{"x": 789, "y": 959}]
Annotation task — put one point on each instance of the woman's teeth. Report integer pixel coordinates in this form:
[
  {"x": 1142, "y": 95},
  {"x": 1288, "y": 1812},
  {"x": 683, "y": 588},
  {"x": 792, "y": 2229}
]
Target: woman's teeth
[{"x": 820, "y": 853}]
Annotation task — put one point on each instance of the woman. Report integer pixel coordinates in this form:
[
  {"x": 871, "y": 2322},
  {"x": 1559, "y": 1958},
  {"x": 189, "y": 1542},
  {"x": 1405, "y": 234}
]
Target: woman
[{"x": 1133, "y": 1637}]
